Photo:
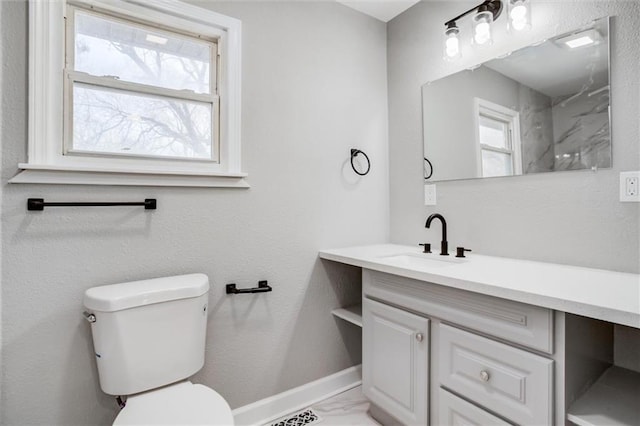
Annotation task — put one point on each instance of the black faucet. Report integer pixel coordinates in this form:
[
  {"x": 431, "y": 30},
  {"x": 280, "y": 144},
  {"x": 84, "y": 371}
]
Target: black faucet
[{"x": 444, "y": 245}]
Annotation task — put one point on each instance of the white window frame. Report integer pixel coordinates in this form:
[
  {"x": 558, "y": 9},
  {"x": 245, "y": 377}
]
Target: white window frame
[
  {"x": 46, "y": 160},
  {"x": 482, "y": 107}
]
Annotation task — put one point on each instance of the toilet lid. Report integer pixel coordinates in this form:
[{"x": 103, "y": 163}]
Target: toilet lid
[{"x": 181, "y": 404}]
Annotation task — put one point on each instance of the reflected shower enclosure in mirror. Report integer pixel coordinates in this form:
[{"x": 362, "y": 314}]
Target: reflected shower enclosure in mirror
[{"x": 543, "y": 108}]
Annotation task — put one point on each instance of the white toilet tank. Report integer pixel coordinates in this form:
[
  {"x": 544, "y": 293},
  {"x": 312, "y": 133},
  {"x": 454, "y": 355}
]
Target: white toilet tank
[{"x": 148, "y": 333}]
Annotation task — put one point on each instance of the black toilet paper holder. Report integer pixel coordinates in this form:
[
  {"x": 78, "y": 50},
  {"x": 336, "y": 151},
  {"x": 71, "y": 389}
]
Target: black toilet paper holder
[{"x": 263, "y": 287}]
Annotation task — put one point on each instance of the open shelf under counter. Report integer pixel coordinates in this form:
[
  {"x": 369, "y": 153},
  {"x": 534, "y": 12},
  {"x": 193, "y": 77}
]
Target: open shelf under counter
[
  {"x": 613, "y": 400},
  {"x": 352, "y": 314}
]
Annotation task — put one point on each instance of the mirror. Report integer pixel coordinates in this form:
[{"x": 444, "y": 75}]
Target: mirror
[{"x": 543, "y": 108}]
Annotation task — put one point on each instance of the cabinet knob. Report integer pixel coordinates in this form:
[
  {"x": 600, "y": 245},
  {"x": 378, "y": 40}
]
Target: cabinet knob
[
  {"x": 419, "y": 337},
  {"x": 484, "y": 376}
]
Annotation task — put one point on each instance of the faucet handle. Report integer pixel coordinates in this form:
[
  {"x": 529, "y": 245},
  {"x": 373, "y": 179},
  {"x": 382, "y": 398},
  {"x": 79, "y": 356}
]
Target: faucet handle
[
  {"x": 427, "y": 247},
  {"x": 460, "y": 251}
]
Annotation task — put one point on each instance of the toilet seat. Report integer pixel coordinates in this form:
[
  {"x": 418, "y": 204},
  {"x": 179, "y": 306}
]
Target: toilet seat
[{"x": 182, "y": 403}]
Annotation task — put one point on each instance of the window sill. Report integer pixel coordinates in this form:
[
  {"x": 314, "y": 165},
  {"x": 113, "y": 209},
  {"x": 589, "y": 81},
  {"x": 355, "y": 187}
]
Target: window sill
[{"x": 46, "y": 174}]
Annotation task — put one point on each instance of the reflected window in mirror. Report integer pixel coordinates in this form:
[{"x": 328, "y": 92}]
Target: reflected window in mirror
[{"x": 497, "y": 140}]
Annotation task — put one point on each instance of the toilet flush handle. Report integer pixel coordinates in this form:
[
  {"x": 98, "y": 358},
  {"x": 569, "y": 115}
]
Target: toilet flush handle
[{"x": 89, "y": 317}]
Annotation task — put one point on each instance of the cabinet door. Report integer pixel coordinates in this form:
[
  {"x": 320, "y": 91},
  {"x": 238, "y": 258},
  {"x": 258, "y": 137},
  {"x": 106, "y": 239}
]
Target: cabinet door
[{"x": 395, "y": 361}]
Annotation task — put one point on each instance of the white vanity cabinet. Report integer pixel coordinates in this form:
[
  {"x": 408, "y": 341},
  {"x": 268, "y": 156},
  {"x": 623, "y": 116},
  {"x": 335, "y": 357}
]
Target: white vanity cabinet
[
  {"x": 395, "y": 361},
  {"x": 473, "y": 345},
  {"x": 504, "y": 341}
]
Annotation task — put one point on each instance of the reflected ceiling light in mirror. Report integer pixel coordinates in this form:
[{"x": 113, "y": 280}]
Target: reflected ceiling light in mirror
[
  {"x": 580, "y": 39},
  {"x": 452, "y": 42},
  {"x": 579, "y": 42},
  {"x": 519, "y": 15},
  {"x": 484, "y": 15}
]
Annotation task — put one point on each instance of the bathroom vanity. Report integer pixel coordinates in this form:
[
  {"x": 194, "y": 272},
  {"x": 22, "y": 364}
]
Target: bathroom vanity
[{"x": 492, "y": 341}]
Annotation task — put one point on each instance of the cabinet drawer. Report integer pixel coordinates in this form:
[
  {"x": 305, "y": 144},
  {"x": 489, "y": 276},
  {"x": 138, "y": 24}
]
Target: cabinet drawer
[
  {"x": 516, "y": 322},
  {"x": 511, "y": 382},
  {"x": 454, "y": 411}
]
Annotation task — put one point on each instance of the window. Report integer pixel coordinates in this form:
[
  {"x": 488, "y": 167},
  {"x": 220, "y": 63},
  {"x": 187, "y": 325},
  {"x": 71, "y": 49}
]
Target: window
[
  {"x": 133, "y": 93},
  {"x": 135, "y": 90},
  {"x": 497, "y": 140}
]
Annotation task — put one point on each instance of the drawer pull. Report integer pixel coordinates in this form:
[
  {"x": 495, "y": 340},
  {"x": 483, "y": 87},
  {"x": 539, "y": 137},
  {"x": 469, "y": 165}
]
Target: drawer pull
[
  {"x": 419, "y": 337},
  {"x": 484, "y": 376}
]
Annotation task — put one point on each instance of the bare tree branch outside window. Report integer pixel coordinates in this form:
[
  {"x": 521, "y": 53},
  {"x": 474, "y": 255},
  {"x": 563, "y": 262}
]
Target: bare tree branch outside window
[{"x": 109, "y": 120}]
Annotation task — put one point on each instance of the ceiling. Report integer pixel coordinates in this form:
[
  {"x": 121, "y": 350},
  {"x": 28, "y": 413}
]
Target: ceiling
[
  {"x": 565, "y": 72},
  {"x": 384, "y": 10},
  {"x": 555, "y": 70}
]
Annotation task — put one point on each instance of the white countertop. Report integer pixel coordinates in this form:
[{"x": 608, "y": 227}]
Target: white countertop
[{"x": 595, "y": 293}]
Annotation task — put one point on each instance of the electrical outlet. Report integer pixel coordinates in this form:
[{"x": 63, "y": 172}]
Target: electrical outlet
[
  {"x": 630, "y": 187},
  {"x": 430, "y": 195}
]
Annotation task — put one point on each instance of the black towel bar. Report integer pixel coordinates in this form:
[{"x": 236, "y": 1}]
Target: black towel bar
[{"x": 39, "y": 204}]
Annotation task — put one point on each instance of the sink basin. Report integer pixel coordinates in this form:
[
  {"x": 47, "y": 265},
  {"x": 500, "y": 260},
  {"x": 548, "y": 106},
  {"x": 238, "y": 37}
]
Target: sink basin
[{"x": 418, "y": 260}]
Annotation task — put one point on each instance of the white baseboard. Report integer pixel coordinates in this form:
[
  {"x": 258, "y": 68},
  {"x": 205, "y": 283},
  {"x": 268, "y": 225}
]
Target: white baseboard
[{"x": 276, "y": 406}]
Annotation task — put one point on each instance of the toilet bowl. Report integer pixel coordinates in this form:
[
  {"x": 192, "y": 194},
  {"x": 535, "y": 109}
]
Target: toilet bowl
[
  {"x": 149, "y": 338},
  {"x": 183, "y": 403}
]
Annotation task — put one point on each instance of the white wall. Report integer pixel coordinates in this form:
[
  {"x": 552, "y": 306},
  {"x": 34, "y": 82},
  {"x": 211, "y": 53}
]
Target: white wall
[
  {"x": 569, "y": 217},
  {"x": 2, "y": 109},
  {"x": 314, "y": 85}
]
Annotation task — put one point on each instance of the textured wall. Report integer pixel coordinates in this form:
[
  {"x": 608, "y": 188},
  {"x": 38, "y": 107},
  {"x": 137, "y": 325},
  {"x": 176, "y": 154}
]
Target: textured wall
[
  {"x": 3, "y": 65},
  {"x": 314, "y": 85},
  {"x": 569, "y": 217}
]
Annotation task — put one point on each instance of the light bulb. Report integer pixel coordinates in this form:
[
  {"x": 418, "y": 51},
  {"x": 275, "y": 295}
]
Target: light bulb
[
  {"x": 483, "y": 33},
  {"x": 519, "y": 12},
  {"x": 482, "y": 28},
  {"x": 519, "y": 24},
  {"x": 451, "y": 42},
  {"x": 452, "y": 46},
  {"x": 519, "y": 15}
]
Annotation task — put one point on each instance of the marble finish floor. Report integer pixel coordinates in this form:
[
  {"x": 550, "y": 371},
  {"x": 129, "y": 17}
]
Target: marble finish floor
[{"x": 345, "y": 409}]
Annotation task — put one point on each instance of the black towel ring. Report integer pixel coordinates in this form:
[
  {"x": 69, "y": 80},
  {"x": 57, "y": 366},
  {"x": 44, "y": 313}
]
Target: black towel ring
[
  {"x": 354, "y": 153},
  {"x": 427, "y": 176}
]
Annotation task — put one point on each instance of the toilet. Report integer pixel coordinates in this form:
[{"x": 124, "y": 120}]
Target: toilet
[{"x": 149, "y": 338}]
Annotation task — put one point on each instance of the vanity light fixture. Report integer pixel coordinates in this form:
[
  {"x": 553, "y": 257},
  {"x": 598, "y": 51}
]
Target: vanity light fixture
[{"x": 484, "y": 15}]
